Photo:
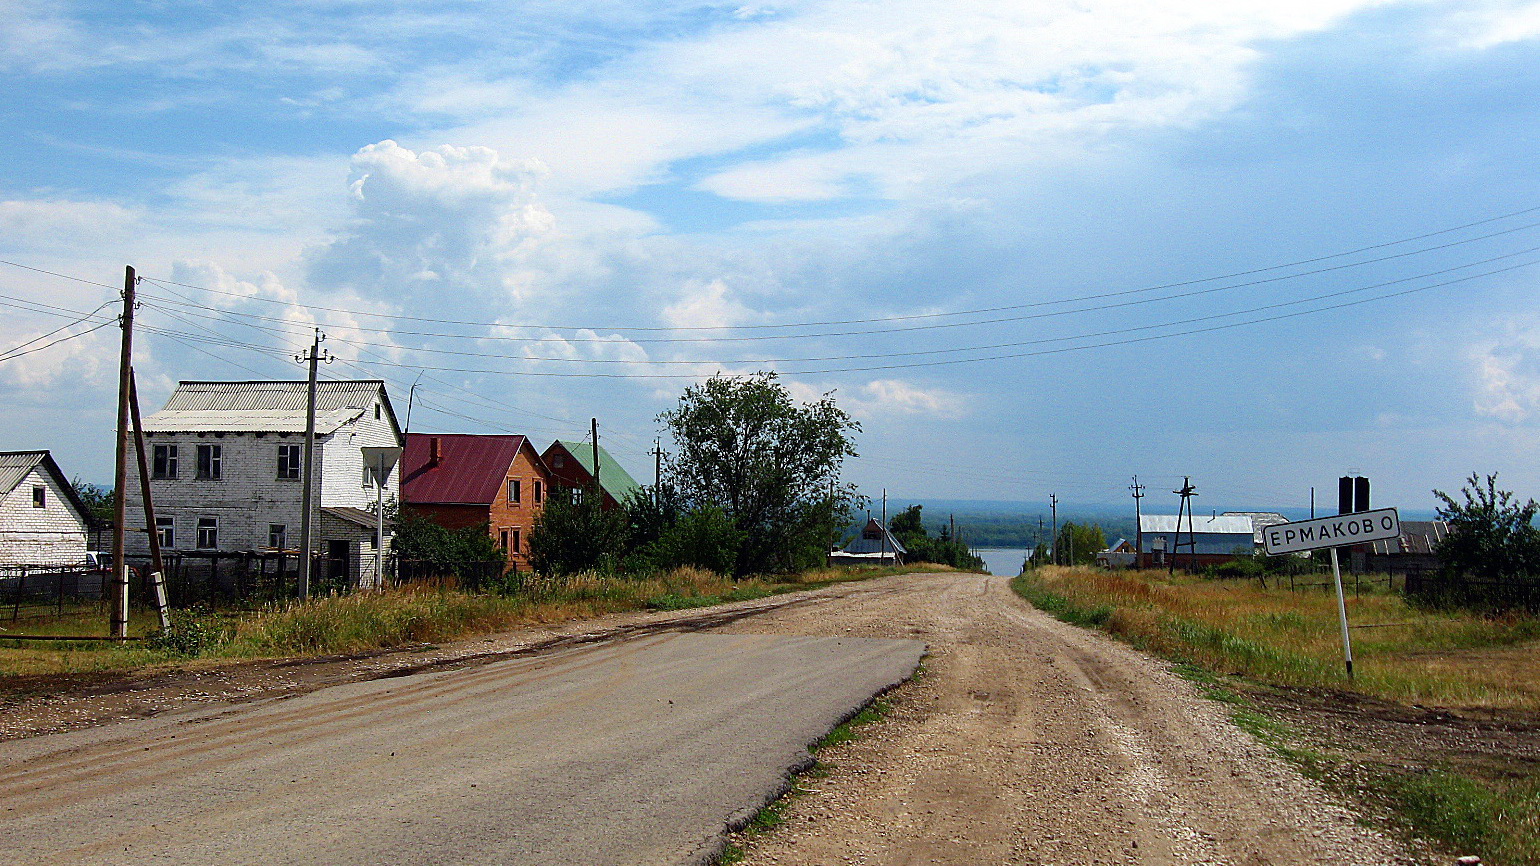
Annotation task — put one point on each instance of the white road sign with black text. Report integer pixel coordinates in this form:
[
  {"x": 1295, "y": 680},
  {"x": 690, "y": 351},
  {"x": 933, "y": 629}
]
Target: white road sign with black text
[{"x": 1337, "y": 531}]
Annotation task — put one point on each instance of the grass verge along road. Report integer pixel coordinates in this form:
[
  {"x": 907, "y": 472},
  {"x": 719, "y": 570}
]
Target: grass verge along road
[{"x": 1439, "y": 734}]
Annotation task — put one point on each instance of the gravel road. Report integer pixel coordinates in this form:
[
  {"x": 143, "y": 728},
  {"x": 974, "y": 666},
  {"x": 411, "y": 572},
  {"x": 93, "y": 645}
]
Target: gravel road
[
  {"x": 1029, "y": 741},
  {"x": 1026, "y": 741},
  {"x": 633, "y": 751}
]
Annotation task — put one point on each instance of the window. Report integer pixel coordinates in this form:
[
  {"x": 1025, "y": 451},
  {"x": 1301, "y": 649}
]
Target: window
[
  {"x": 208, "y": 533},
  {"x": 40, "y": 497},
  {"x": 368, "y": 479},
  {"x": 165, "y": 530},
  {"x": 577, "y": 496},
  {"x": 539, "y": 492},
  {"x": 515, "y": 547},
  {"x": 289, "y": 457},
  {"x": 376, "y": 411},
  {"x": 513, "y": 491},
  {"x": 277, "y": 536},
  {"x": 558, "y": 461},
  {"x": 502, "y": 539},
  {"x": 209, "y": 459},
  {"x": 165, "y": 462}
]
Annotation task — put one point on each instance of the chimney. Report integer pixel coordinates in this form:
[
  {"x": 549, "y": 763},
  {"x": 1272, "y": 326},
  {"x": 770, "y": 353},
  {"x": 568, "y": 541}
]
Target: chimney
[{"x": 435, "y": 450}]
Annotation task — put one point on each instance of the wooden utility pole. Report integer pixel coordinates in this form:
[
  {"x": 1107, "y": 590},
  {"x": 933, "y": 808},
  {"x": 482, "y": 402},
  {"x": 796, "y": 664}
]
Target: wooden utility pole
[
  {"x": 119, "y": 602},
  {"x": 307, "y": 485},
  {"x": 158, "y": 569},
  {"x": 657, "y": 472},
  {"x": 594, "y": 430},
  {"x": 1138, "y": 490},
  {"x": 1053, "y": 504}
]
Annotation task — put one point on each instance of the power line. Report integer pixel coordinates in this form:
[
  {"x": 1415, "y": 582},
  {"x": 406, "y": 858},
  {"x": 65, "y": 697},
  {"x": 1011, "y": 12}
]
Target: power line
[
  {"x": 12, "y": 354},
  {"x": 978, "y": 311},
  {"x": 921, "y": 352}
]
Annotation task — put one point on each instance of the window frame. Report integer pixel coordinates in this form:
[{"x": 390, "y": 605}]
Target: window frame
[
  {"x": 210, "y": 462},
  {"x": 163, "y": 462},
  {"x": 280, "y": 532},
  {"x": 514, "y": 488},
  {"x": 39, "y": 496},
  {"x": 208, "y": 525},
  {"x": 291, "y": 461},
  {"x": 539, "y": 491},
  {"x": 165, "y": 532}
]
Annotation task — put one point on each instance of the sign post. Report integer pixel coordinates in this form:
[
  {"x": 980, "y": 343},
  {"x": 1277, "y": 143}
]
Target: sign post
[{"x": 1333, "y": 532}]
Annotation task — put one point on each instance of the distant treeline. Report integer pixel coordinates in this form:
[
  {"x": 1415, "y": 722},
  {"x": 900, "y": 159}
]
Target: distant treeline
[{"x": 1021, "y": 530}]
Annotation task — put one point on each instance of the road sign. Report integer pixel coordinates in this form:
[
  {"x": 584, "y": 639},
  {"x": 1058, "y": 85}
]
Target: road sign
[{"x": 1337, "y": 531}]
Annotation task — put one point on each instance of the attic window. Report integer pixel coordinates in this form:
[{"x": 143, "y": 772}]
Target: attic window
[
  {"x": 376, "y": 411},
  {"x": 558, "y": 461},
  {"x": 40, "y": 497}
]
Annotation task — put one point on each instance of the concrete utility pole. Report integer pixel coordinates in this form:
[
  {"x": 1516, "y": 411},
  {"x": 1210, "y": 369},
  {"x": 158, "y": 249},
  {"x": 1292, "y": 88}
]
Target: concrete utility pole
[
  {"x": 657, "y": 472},
  {"x": 119, "y": 605},
  {"x": 307, "y": 491},
  {"x": 884, "y": 557},
  {"x": 1138, "y": 490},
  {"x": 1053, "y": 503}
]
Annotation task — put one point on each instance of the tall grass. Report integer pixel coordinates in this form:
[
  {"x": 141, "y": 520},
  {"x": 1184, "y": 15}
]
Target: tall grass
[
  {"x": 419, "y": 613},
  {"x": 1402, "y": 652}
]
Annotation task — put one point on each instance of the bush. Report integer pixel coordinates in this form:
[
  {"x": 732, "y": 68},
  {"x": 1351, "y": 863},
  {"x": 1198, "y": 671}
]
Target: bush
[
  {"x": 704, "y": 538},
  {"x": 189, "y": 634}
]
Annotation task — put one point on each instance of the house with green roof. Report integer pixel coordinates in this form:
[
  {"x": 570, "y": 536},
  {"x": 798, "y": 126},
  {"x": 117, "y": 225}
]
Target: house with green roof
[{"x": 572, "y": 465}]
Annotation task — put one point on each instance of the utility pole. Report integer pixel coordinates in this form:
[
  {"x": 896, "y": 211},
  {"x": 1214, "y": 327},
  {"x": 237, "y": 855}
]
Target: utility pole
[
  {"x": 1312, "y": 502},
  {"x": 119, "y": 608},
  {"x": 307, "y": 491},
  {"x": 594, "y": 429},
  {"x": 1186, "y": 492},
  {"x": 1138, "y": 490},
  {"x": 158, "y": 570},
  {"x": 657, "y": 472},
  {"x": 1053, "y": 503},
  {"x": 883, "y": 559}
]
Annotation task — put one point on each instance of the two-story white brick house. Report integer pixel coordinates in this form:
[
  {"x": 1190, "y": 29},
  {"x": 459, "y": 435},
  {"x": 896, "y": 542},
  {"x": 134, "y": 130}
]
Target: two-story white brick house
[
  {"x": 226, "y": 464},
  {"x": 42, "y": 520}
]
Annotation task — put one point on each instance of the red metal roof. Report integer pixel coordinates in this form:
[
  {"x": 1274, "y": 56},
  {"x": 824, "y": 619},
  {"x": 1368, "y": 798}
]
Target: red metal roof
[{"x": 470, "y": 470}]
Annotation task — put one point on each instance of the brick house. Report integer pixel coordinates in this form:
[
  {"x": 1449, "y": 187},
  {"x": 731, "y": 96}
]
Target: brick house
[
  {"x": 42, "y": 519},
  {"x": 462, "y": 480},
  {"x": 226, "y": 462},
  {"x": 571, "y": 466}
]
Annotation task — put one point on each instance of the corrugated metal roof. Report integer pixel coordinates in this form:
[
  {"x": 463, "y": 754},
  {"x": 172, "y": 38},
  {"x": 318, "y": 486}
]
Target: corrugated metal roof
[
  {"x": 613, "y": 477},
  {"x": 470, "y": 471},
  {"x": 356, "y": 516},
  {"x": 14, "y": 466},
  {"x": 263, "y": 407},
  {"x": 1224, "y": 524},
  {"x": 1417, "y": 537},
  {"x": 862, "y": 544}
]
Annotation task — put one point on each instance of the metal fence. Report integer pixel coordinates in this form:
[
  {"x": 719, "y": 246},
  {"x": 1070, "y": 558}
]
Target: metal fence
[
  {"x": 472, "y": 576},
  {"x": 44, "y": 590}
]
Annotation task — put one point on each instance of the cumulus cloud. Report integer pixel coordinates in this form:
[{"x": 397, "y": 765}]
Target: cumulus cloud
[
  {"x": 706, "y": 306},
  {"x": 63, "y": 222},
  {"x": 449, "y": 221},
  {"x": 1507, "y": 374}
]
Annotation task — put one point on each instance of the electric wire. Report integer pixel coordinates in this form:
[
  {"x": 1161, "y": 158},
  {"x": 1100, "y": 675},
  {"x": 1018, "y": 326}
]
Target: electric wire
[{"x": 978, "y": 311}]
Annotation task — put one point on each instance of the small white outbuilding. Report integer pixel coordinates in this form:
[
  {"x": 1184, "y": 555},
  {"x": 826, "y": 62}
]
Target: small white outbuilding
[{"x": 42, "y": 519}]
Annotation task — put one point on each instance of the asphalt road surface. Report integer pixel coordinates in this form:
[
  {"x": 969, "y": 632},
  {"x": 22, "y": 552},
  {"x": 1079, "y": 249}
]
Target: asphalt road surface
[{"x": 630, "y": 751}]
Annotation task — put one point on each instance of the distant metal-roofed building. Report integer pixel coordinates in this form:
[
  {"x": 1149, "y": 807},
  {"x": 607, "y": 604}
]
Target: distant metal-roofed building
[
  {"x": 874, "y": 543},
  {"x": 42, "y": 519},
  {"x": 463, "y": 480},
  {"x": 1415, "y": 552},
  {"x": 1216, "y": 538},
  {"x": 572, "y": 465},
  {"x": 226, "y": 466}
]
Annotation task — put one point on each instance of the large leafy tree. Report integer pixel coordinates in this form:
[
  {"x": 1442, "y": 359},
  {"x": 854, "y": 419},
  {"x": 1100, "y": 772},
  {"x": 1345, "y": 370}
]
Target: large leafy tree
[
  {"x": 770, "y": 464},
  {"x": 575, "y": 533},
  {"x": 1078, "y": 544},
  {"x": 1492, "y": 535},
  {"x": 908, "y": 526}
]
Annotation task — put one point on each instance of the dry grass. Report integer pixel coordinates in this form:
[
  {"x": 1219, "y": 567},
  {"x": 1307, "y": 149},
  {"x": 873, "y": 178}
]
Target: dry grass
[
  {"x": 428, "y": 612},
  {"x": 1405, "y": 653}
]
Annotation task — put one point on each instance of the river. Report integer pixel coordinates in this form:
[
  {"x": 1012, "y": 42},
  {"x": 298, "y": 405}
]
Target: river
[{"x": 1002, "y": 560}]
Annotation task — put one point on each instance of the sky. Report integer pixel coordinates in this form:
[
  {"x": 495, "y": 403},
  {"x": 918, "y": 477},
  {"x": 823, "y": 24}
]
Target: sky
[{"x": 1033, "y": 247}]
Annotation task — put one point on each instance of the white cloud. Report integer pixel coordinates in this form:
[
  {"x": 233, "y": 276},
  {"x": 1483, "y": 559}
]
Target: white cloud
[
  {"x": 1507, "y": 374},
  {"x": 1497, "y": 24},
  {"x": 706, "y": 306},
  {"x": 57, "y": 223}
]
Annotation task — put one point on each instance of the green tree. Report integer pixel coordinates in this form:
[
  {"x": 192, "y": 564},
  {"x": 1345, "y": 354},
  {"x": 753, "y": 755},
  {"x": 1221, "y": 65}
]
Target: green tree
[
  {"x": 433, "y": 551},
  {"x": 98, "y": 499},
  {"x": 770, "y": 464},
  {"x": 1492, "y": 535},
  {"x": 575, "y": 533},
  {"x": 909, "y": 528},
  {"x": 1079, "y": 544}
]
